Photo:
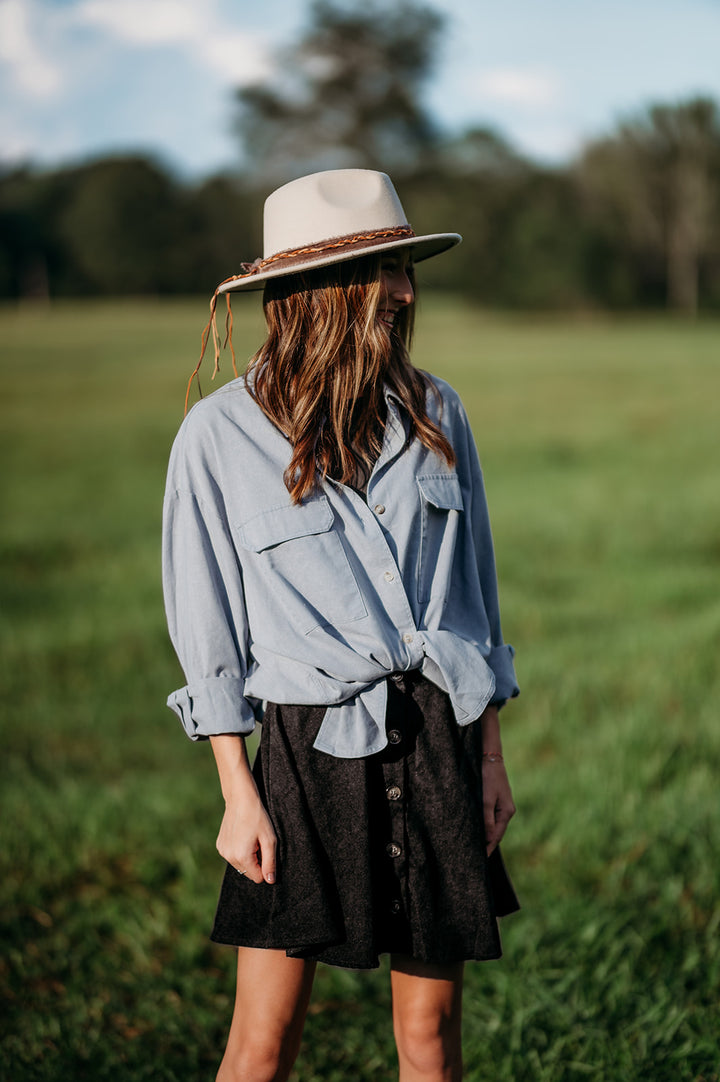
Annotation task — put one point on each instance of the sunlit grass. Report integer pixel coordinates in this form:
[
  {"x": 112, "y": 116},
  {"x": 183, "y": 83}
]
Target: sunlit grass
[{"x": 599, "y": 441}]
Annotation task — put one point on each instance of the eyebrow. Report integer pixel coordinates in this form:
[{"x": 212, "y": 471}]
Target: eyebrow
[{"x": 397, "y": 258}]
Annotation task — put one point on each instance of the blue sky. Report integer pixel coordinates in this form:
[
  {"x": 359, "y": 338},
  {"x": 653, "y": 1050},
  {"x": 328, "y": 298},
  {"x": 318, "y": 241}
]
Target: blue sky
[{"x": 82, "y": 78}]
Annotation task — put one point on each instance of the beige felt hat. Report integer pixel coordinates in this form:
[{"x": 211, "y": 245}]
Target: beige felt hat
[{"x": 328, "y": 218}]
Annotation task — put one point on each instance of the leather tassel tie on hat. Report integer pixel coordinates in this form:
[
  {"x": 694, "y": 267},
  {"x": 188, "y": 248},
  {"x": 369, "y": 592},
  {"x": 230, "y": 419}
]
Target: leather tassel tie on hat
[{"x": 211, "y": 328}]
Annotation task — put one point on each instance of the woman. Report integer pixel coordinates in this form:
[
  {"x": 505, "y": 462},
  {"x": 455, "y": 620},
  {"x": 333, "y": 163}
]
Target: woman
[{"x": 328, "y": 552}]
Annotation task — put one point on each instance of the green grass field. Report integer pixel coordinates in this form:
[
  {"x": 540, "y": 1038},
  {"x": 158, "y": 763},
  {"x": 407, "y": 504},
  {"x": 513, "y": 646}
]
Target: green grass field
[{"x": 600, "y": 445}]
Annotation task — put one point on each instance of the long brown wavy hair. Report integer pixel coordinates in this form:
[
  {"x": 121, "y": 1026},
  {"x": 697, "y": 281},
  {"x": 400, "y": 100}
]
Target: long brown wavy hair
[{"x": 319, "y": 375}]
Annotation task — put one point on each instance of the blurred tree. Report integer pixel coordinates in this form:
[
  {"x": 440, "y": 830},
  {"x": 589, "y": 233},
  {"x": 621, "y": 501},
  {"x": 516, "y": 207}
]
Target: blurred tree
[
  {"x": 30, "y": 250},
  {"x": 523, "y": 235},
  {"x": 481, "y": 152},
  {"x": 347, "y": 94},
  {"x": 655, "y": 184},
  {"x": 122, "y": 224},
  {"x": 222, "y": 227}
]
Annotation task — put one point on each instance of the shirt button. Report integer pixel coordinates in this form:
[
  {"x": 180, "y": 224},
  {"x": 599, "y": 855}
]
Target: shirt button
[
  {"x": 388, "y": 576},
  {"x": 394, "y": 792},
  {"x": 395, "y": 906},
  {"x": 379, "y": 508},
  {"x": 407, "y": 637},
  {"x": 394, "y": 736},
  {"x": 393, "y": 849}
]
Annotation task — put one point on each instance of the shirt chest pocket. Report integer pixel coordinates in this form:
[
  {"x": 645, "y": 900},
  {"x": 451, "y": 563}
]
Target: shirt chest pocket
[
  {"x": 302, "y": 564},
  {"x": 441, "y": 506}
]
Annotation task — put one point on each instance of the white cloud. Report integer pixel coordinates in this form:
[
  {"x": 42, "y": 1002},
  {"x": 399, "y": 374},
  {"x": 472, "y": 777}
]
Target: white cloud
[
  {"x": 195, "y": 27},
  {"x": 32, "y": 73},
  {"x": 554, "y": 141},
  {"x": 144, "y": 22},
  {"x": 238, "y": 58},
  {"x": 528, "y": 88}
]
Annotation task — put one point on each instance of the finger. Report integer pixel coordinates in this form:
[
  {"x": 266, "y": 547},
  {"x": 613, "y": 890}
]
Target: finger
[
  {"x": 503, "y": 815},
  {"x": 267, "y": 854},
  {"x": 498, "y": 834},
  {"x": 250, "y": 868},
  {"x": 492, "y": 837},
  {"x": 490, "y": 827}
]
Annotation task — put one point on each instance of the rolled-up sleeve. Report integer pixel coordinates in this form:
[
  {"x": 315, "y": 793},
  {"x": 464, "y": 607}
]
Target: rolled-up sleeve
[{"x": 205, "y": 607}]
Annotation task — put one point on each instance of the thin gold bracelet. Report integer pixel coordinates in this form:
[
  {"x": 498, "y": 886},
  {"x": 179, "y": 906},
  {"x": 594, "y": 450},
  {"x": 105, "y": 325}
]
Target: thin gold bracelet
[{"x": 493, "y": 757}]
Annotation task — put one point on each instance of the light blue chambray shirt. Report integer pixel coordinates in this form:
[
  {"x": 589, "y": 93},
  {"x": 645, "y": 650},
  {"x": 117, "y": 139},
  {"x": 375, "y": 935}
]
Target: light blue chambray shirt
[{"x": 318, "y": 603}]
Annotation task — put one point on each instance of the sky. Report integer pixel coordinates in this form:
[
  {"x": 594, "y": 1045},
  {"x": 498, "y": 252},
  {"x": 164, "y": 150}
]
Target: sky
[{"x": 84, "y": 78}]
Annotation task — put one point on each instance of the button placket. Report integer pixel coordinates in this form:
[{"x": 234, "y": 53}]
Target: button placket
[
  {"x": 379, "y": 563},
  {"x": 394, "y": 776}
]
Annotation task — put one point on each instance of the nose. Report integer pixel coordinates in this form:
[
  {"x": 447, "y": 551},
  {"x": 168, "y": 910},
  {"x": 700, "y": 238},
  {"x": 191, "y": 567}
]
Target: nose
[{"x": 398, "y": 286}]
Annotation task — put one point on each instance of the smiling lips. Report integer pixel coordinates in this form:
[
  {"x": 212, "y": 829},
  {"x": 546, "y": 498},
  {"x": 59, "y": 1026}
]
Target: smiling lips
[{"x": 387, "y": 316}]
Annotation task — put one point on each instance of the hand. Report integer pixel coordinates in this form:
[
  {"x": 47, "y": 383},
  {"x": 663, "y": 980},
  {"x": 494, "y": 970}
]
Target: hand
[
  {"x": 497, "y": 802},
  {"x": 247, "y": 839},
  {"x": 498, "y": 806}
]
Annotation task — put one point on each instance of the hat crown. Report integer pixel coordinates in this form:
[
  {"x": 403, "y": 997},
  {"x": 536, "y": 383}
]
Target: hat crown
[{"x": 335, "y": 203}]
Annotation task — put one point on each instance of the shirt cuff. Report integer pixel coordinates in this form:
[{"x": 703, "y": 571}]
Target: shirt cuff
[
  {"x": 214, "y": 706},
  {"x": 501, "y": 663}
]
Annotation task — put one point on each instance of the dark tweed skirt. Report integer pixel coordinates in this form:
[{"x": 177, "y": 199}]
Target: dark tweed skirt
[{"x": 375, "y": 855}]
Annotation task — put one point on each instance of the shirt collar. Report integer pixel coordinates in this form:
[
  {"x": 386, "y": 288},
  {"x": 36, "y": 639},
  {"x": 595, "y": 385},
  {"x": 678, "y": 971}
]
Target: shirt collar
[{"x": 397, "y": 426}]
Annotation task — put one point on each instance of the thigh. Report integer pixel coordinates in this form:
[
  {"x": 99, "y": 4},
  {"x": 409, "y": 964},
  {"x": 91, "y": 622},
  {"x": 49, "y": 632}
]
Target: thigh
[{"x": 271, "y": 1001}]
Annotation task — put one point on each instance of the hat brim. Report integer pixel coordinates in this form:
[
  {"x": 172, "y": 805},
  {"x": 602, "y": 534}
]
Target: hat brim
[{"x": 422, "y": 248}]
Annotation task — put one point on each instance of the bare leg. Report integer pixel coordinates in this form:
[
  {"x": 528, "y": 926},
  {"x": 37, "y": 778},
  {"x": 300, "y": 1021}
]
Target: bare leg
[
  {"x": 273, "y": 992},
  {"x": 427, "y": 1016}
]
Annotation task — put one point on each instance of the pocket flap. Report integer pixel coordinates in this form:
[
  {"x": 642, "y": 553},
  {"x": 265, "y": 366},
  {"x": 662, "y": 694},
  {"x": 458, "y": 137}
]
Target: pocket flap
[
  {"x": 442, "y": 490},
  {"x": 284, "y": 523}
]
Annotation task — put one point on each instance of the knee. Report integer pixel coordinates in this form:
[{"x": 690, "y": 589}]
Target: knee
[
  {"x": 429, "y": 1045},
  {"x": 258, "y": 1058}
]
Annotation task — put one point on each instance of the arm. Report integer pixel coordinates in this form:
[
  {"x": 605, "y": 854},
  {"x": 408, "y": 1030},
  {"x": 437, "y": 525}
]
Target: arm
[
  {"x": 247, "y": 839},
  {"x": 498, "y": 803},
  {"x": 204, "y": 602},
  {"x": 500, "y": 654},
  {"x": 207, "y": 620}
]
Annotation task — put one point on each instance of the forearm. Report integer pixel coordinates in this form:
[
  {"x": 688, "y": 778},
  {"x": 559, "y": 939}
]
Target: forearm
[
  {"x": 233, "y": 766},
  {"x": 247, "y": 838},
  {"x": 490, "y": 728}
]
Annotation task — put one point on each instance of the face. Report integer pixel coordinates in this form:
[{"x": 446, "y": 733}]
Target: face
[{"x": 396, "y": 289}]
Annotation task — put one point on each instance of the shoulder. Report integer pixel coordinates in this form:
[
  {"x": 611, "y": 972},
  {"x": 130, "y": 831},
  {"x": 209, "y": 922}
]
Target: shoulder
[
  {"x": 444, "y": 404},
  {"x": 218, "y": 429},
  {"x": 224, "y": 414},
  {"x": 233, "y": 400}
]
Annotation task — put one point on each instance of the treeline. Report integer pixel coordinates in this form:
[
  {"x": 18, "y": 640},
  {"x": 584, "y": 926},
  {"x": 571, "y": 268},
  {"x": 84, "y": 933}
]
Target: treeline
[
  {"x": 119, "y": 226},
  {"x": 533, "y": 237},
  {"x": 633, "y": 222}
]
